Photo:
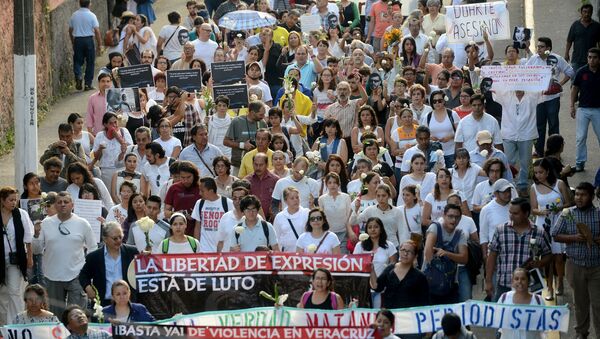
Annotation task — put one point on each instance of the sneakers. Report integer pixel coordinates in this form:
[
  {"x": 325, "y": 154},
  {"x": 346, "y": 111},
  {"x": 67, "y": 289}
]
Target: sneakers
[
  {"x": 79, "y": 84},
  {"x": 579, "y": 168}
]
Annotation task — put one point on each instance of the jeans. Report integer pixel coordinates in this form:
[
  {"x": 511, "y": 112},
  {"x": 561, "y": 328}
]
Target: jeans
[
  {"x": 465, "y": 288},
  {"x": 36, "y": 275},
  {"x": 519, "y": 152},
  {"x": 84, "y": 51},
  {"x": 583, "y": 118},
  {"x": 546, "y": 113}
]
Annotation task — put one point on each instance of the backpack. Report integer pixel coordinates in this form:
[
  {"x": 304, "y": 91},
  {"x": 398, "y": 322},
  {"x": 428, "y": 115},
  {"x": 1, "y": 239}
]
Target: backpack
[
  {"x": 265, "y": 228},
  {"x": 201, "y": 204},
  {"x": 475, "y": 260},
  {"x": 449, "y": 112},
  {"x": 191, "y": 240},
  {"x": 441, "y": 272},
  {"x": 111, "y": 38}
]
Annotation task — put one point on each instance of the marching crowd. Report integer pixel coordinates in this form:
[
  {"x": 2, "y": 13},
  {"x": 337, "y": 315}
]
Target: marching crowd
[{"x": 373, "y": 135}]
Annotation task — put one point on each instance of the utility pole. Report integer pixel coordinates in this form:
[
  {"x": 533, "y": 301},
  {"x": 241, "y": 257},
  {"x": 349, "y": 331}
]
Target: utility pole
[{"x": 25, "y": 91}]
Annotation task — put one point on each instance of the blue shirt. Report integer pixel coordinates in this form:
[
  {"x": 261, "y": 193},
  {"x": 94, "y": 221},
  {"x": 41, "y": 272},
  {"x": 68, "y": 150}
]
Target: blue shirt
[
  {"x": 113, "y": 271},
  {"x": 83, "y": 22},
  {"x": 478, "y": 159},
  {"x": 307, "y": 73}
]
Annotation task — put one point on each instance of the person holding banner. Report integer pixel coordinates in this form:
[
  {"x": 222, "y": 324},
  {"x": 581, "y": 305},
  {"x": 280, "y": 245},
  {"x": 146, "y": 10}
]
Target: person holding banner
[
  {"x": 321, "y": 296},
  {"x": 289, "y": 223},
  {"x": 178, "y": 242}
]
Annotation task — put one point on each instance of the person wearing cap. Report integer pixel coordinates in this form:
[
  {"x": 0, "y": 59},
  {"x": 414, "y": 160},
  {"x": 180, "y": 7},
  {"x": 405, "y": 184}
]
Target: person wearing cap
[
  {"x": 254, "y": 78},
  {"x": 468, "y": 132},
  {"x": 126, "y": 29},
  {"x": 204, "y": 47},
  {"x": 446, "y": 64},
  {"x": 453, "y": 90},
  {"x": 83, "y": 27},
  {"x": 495, "y": 212},
  {"x": 511, "y": 246},
  {"x": 485, "y": 150}
]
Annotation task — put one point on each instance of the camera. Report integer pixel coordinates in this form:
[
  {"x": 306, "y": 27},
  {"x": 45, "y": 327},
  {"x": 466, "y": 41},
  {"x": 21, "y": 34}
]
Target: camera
[{"x": 12, "y": 258}]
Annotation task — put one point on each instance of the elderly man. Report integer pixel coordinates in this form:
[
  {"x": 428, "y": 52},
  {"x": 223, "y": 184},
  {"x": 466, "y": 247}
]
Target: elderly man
[
  {"x": 107, "y": 264},
  {"x": 204, "y": 48},
  {"x": 262, "y": 182},
  {"x": 63, "y": 240},
  {"x": 186, "y": 58},
  {"x": 65, "y": 148},
  {"x": 345, "y": 110},
  {"x": 308, "y": 68},
  {"x": 263, "y": 140},
  {"x": 201, "y": 153},
  {"x": 446, "y": 64}
]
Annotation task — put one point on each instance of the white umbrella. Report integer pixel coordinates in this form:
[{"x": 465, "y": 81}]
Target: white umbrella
[{"x": 246, "y": 19}]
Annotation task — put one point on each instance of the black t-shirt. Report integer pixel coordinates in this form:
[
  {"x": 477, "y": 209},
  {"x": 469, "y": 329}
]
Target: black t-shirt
[
  {"x": 588, "y": 83},
  {"x": 412, "y": 291},
  {"x": 273, "y": 74},
  {"x": 583, "y": 38}
]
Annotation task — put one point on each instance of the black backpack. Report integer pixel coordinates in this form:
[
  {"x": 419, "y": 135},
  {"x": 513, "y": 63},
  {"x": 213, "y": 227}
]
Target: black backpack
[
  {"x": 449, "y": 112},
  {"x": 475, "y": 260},
  {"x": 201, "y": 204},
  {"x": 441, "y": 271}
]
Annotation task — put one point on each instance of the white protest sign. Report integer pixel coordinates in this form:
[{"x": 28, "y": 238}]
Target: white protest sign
[
  {"x": 466, "y": 23},
  {"x": 310, "y": 23},
  {"x": 39, "y": 330},
  {"x": 518, "y": 77},
  {"x": 90, "y": 210}
]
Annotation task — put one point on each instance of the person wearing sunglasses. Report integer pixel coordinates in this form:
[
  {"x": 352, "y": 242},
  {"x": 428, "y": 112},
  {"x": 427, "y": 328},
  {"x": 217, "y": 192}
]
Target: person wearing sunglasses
[
  {"x": 107, "y": 264},
  {"x": 318, "y": 238},
  {"x": 63, "y": 240}
]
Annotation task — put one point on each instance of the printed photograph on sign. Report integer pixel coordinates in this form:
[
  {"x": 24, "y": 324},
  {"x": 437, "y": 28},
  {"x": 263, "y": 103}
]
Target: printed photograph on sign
[
  {"x": 122, "y": 100},
  {"x": 521, "y": 37}
]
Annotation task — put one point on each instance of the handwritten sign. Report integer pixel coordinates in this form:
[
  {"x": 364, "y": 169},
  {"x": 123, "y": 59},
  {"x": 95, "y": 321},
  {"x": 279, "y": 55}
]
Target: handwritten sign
[
  {"x": 310, "y": 23},
  {"x": 518, "y": 77},
  {"x": 466, "y": 23},
  {"x": 90, "y": 210}
]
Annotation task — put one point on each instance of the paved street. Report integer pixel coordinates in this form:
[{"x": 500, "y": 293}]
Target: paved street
[{"x": 550, "y": 18}]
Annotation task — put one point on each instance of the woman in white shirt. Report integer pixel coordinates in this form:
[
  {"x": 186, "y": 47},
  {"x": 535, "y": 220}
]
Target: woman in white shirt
[
  {"x": 178, "y": 242},
  {"x": 85, "y": 138},
  {"x": 118, "y": 212},
  {"x": 318, "y": 238},
  {"x": 108, "y": 145},
  {"x": 388, "y": 214},
  {"x": 424, "y": 181},
  {"x": 78, "y": 174},
  {"x": 433, "y": 207},
  {"x": 410, "y": 222},
  {"x": 383, "y": 250},
  {"x": 336, "y": 206},
  {"x": 441, "y": 127},
  {"x": 171, "y": 144},
  {"x": 464, "y": 175},
  {"x": 289, "y": 223}
]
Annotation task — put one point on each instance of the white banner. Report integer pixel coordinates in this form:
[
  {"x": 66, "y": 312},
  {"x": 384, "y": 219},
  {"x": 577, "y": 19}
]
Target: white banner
[
  {"x": 466, "y": 23},
  {"x": 31, "y": 331},
  {"x": 518, "y": 77}
]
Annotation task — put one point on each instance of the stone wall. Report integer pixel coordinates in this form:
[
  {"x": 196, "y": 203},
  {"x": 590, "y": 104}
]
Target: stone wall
[{"x": 53, "y": 51}]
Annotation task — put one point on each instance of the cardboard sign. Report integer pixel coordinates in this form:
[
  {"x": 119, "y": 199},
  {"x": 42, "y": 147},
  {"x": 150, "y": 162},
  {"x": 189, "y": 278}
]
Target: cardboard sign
[
  {"x": 518, "y": 77},
  {"x": 466, "y": 23}
]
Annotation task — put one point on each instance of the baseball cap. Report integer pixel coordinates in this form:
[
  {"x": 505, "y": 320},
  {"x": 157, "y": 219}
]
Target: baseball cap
[
  {"x": 502, "y": 185},
  {"x": 484, "y": 137}
]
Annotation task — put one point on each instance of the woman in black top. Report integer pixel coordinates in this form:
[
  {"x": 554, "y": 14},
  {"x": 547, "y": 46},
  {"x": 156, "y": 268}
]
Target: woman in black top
[
  {"x": 321, "y": 296},
  {"x": 401, "y": 283}
]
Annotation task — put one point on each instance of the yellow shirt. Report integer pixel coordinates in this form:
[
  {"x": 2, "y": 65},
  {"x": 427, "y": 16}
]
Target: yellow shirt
[
  {"x": 280, "y": 36},
  {"x": 302, "y": 106},
  {"x": 246, "y": 165}
]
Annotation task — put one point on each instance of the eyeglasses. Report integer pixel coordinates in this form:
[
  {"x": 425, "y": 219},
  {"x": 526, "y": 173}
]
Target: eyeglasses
[
  {"x": 317, "y": 218},
  {"x": 117, "y": 238},
  {"x": 438, "y": 101},
  {"x": 63, "y": 229}
]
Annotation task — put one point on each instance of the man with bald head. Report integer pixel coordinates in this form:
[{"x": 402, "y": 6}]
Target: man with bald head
[
  {"x": 204, "y": 47},
  {"x": 186, "y": 57},
  {"x": 447, "y": 64},
  {"x": 307, "y": 63}
]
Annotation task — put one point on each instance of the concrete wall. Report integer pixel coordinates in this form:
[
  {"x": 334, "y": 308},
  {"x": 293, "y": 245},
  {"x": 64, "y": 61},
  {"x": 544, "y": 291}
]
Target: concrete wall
[{"x": 53, "y": 51}]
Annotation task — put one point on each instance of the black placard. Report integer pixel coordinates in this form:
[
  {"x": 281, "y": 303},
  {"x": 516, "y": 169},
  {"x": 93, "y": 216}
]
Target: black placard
[
  {"x": 228, "y": 73},
  {"x": 136, "y": 76},
  {"x": 186, "y": 79},
  {"x": 238, "y": 95}
]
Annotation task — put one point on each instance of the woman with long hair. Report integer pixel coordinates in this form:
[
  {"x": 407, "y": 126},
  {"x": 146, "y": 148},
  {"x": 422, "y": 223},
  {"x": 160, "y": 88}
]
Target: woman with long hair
[
  {"x": 31, "y": 186},
  {"x": 336, "y": 206},
  {"x": 78, "y": 174},
  {"x": 317, "y": 238},
  {"x": 324, "y": 95},
  {"x": 384, "y": 323},
  {"x": 178, "y": 242},
  {"x": 417, "y": 106},
  {"x": 171, "y": 144},
  {"x": 409, "y": 53},
  {"x": 288, "y": 52},
  {"x": 402, "y": 138},
  {"x": 129, "y": 173},
  {"x": 333, "y": 38},
  {"x": 135, "y": 212},
  {"x": 126, "y": 29},
  {"x": 417, "y": 176},
  {"x": 289, "y": 224},
  {"x": 223, "y": 178},
  {"x": 349, "y": 15},
  {"x": 555, "y": 145},
  {"x": 465, "y": 175},
  {"x": 142, "y": 36},
  {"x": 434, "y": 203},
  {"x": 383, "y": 250},
  {"x": 138, "y": 119},
  {"x": 36, "y": 307},
  {"x": 120, "y": 211},
  {"x": 80, "y": 135},
  {"x": 335, "y": 164},
  {"x": 367, "y": 123},
  {"x": 109, "y": 144},
  {"x": 379, "y": 158},
  {"x": 385, "y": 211},
  {"x": 549, "y": 196},
  {"x": 321, "y": 295},
  {"x": 331, "y": 142},
  {"x": 122, "y": 309},
  {"x": 90, "y": 192}
]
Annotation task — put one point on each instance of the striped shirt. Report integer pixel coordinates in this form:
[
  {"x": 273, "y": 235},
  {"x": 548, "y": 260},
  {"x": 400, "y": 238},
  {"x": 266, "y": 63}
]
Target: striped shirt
[
  {"x": 345, "y": 114},
  {"x": 513, "y": 249},
  {"x": 579, "y": 252}
]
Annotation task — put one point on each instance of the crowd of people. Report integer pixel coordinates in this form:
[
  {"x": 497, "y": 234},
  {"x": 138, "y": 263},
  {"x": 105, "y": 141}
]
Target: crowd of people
[{"x": 373, "y": 135}]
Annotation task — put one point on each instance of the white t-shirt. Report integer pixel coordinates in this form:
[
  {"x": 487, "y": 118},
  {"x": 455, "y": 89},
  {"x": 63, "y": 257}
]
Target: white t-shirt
[
  {"x": 427, "y": 184},
  {"x": 174, "y": 38},
  {"x": 306, "y": 239},
  {"x": 285, "y": 235},
  {"x": 468, "y": 127},
  {"x": 113, "y": 148},
  {"x": 484, "y": 193},
  {"x": 157, "y": 234},
  {"x": 442, "y": 129},
  {"x": 169, "y": 145},
  {"x": 10, "y": 240},
  {"x": 492, "y": 215},
  {"x": 306, "y": 186},
  {"x": 467, "y": 183},
  {"x": 390, "y": 219},
  {"x": 381, "y": 258},
  {"x": 212, "y": 211},
  {"x": 156, "y": 176},
  {"x": 205, "y": 51},
  {"x": 226, "y": 226},
  {"x": 266, "y": 91},
  {"x": 413, "y": 216},
  {"x": 408, "y": 154},
  {"x": 177, "y": 247},
  {"x": 437, "y": 206}
]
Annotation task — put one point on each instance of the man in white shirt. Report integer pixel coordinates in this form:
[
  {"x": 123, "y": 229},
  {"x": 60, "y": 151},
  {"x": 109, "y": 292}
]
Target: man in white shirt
[
  {"x": 308, "y": 187},
  {"x": 63, "y": 240},
  {"x": 476, "y": 121},
  {"x": 518, "y": 130},
  {"x": 254, "y": 78},
  {"x": 204, "y": 47},
  {"x": 494, "y": 213},
  {"x": 208, "y": 212},
  {"x": 324, "y": 9},
  {"x": 171, "y": 38},
  {"x": 230, "y": 219},
  {"x": 201, "y": 153},
  {"x": 156, "y": 172}
]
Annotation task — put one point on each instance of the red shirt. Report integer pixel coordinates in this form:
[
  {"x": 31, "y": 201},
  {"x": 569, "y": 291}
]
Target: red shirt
[
  {"x": 183, "y": 199},
  {"x": 263, "y": 187}
]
